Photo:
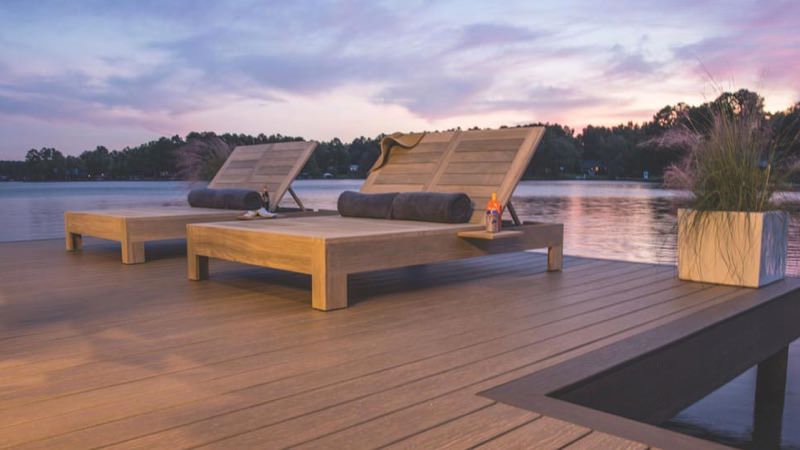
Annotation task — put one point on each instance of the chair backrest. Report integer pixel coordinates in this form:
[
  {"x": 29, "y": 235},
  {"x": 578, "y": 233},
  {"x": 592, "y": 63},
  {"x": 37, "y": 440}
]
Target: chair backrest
[
  {"x": 266, "y": 168},
  {"x": 481, "y": 162},
  {"x": 410, "y": 169},
  {"x": 476, "y": 163}
]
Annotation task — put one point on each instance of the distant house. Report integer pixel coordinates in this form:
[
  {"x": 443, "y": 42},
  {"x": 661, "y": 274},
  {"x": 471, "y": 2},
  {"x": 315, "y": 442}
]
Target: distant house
[
  {"x": 354, "y": 169},
  {"x": 593, "y": 167}
]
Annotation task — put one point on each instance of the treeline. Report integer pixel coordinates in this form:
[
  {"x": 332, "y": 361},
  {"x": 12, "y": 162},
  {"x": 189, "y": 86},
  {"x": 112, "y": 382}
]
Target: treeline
[
  {"x": 630, "y": 150},
  {"x": 155, "y": 160},
  {"x": 623, "y": 151}
]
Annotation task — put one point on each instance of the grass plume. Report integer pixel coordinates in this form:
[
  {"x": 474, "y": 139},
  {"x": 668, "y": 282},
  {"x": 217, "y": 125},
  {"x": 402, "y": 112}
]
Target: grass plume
[{"x": 733, "y": 160}]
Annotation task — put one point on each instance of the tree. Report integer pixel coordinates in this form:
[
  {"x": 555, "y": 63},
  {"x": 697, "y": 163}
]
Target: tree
[
  {"x": 558, "y": 153},
  {"x": 33, "y": 164},
  {"x": 625, "y": 150},
  {"x": 97, "y": 162}
]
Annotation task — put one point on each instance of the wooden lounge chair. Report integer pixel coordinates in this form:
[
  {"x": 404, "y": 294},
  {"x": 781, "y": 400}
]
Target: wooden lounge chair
[
  {"x": 329, "y": 248},
  {"x": 266, "y": 168}
]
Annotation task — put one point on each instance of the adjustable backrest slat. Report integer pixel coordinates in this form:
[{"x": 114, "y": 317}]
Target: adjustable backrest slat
[
  {"x": 485, "y": 161},
  {"x": 410, "y": 169},
  {"x": 477, "y": 163},
  {"x": 268, "y": 168}
]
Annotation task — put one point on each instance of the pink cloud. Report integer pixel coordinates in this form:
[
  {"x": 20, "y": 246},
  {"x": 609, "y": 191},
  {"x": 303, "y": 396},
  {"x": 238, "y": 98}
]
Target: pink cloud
[
  {"x": 435, "y": 63},
  {"x": 761, "y": 46}
]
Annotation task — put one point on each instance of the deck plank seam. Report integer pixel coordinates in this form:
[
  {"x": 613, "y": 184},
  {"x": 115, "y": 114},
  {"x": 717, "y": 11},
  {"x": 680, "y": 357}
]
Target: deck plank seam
[
  {"x": 159, "y": 303},
  {"x": 298, "y": 416},
  {"x": 342, "y": 336},
  {"x": 398, "y": 366},
  {"x": 584, "y": 435},
  {"x": 306, "y": 413},
  {"x": 465, "y": 414},
  {"x": 305, "y": 316},
  {"x": 510, "y": 430},
  {"x": 354, "y": 333},
  {"x": 247, "y": 311},
  {"x": 222, "y": 322}
]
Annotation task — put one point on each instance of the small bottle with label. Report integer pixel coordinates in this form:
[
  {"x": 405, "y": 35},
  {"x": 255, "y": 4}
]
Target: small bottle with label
[{"x": 494, "y": 214}]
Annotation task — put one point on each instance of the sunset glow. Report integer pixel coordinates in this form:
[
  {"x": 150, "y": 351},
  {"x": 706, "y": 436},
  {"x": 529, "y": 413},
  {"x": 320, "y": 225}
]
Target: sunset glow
[{"x": 78, "y": 74}]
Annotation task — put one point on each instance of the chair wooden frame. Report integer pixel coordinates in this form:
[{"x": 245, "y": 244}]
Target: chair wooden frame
[
  {"x": 330, "y": 248},
  {"x": 266, "y": 168}
]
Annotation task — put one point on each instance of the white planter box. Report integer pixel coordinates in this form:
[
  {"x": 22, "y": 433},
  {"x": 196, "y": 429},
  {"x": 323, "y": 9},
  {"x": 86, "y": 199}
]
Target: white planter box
[{"x": 733, "y": 248}]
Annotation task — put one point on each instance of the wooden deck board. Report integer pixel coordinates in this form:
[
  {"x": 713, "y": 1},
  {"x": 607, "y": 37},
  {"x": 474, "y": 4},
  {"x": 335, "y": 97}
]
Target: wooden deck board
[
  {"x": 542, "y": 434},
  {"x": 166, "y": 326},
  {"x": 428, "y": 380},
  {"x": 597, "y": 440},
  {"x": 136, "y": 356},
  {"x": 467, "y": 430},
  {"x": 457, "y": 326}
]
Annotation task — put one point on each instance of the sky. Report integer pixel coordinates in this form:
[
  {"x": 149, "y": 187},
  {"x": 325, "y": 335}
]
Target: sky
[{"x": 77, "y": 74}]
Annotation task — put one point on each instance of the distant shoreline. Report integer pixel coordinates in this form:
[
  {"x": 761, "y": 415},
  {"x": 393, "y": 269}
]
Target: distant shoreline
[{"x": 575, "y": 178}]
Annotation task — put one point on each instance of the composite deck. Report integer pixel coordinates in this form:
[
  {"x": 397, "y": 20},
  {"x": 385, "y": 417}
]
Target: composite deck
[{"x": 94, "y": 353}]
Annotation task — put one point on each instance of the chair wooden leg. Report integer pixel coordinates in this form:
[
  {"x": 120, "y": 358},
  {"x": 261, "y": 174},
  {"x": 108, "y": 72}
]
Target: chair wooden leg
[
  {"x": 197, "y": 267},
  {"x": 74, "y": 241},
  {"x": 328, "y": 290},
  {"x": 132, "y": 252},
  {"x": 328, "y": 286},
  {"x": 555, "y": 258}
]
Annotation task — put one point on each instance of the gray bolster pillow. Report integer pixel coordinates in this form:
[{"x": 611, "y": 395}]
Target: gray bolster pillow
[
  {"x": 374, "y": 206},
  {"x": 432, "y": 207},
  {"x": 240, "y": 199}
]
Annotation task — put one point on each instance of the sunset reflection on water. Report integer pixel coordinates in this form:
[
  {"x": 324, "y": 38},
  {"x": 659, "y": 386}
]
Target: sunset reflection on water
[{"x": 629, "y": 221}]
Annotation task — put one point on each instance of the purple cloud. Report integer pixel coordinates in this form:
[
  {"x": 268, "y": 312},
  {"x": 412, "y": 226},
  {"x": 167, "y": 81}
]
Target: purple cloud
[
  {"x": 150, "y": 65},
  {"x": 630, "y": 64},
  {"x": 436, "y": 96},
  {"x": 763, "y": 42},
  {"x": 494, "y": 34}
]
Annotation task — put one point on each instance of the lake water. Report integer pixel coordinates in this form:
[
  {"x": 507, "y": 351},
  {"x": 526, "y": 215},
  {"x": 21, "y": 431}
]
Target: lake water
[{"x": 615, "y": 220}]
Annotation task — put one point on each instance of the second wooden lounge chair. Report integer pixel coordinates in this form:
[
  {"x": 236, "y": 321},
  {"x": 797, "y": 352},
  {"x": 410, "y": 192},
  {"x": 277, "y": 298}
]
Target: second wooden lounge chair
[
  {"x": 329, "y": 248},
  {"x": 265, "y": 168}
]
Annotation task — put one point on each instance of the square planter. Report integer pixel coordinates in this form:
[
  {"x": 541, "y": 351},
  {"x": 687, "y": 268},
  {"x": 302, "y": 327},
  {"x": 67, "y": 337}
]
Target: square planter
[{"x": 732, "y": 248}]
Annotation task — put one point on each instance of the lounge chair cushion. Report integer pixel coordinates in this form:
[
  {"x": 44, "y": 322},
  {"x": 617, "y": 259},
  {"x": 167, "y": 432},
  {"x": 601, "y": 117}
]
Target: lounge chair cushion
[
  {"x": 356, "y": 204},
  {"x": 432, "y": 207},
  {"x": 241, "y": 199}
]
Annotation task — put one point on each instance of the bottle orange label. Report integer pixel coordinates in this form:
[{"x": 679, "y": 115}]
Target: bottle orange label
[{"x": 494, "y": 215}]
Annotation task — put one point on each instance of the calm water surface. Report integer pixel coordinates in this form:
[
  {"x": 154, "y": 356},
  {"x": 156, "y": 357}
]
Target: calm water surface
[{"x": 615, "y": 220}]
